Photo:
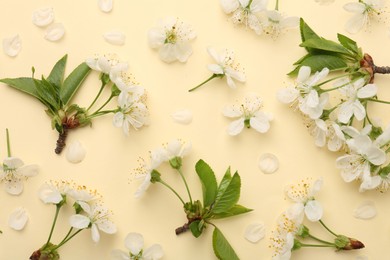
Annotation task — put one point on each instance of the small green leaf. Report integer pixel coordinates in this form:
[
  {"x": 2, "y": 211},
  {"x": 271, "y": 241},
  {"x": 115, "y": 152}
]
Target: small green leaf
[
  {"x": 318, "y": 62},
  {"x": 48, "y": 94},
  {"x": 25, "y": 85},
  {"x": 325, "y": 45},
  {"x": 235, "y": 210},
  {"x": 73, "y": 82},
  {"x": 194, "y": 227},
  {"x": 209, "y": 183},
  {"x": 306, "y": 32},
  {"x": 348, "y": 43},
  {"x": 56, "y": 76},
  {"x": 222, "y": 249},
  {"x": 228, "y": 193}
]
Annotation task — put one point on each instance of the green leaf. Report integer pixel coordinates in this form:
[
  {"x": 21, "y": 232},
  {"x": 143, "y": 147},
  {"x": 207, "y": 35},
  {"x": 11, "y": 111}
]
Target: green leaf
[
  {"x": 194, "y": 227},
  {"x": 57, "y": 73},
  {"x": 235, "y": 210},
  {"x": 48, "y": 94},
  {"x": 325, "y": 45},
  {"x": 209, "y": 183},
  {"x": 228, "y": 193},
  {"x": 318, "y": 62},
  {"x": 73, "y": 82},
  {"x": 24, "y": 84},
  {"x": 306, "y": 32},
  {"x": 222, "y": 249},
  {"x": 348, "y": 43}
]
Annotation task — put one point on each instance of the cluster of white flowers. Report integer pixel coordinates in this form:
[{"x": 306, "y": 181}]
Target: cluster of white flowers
[
  {"x": 364, "y": 11},
  {"x": 291, "y": 221},
  {"x": 173, "y": 151},
  {"x": 249, "y": 115},
  {"x": 90, "y": 213},
  {"x": 255, "y": 15},
  {"x": 337, "y": 126},
  {"x": 132, "y": 110}
]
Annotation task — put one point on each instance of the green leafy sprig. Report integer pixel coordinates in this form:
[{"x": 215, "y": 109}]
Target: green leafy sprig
[{"x": 219, "y": 201}]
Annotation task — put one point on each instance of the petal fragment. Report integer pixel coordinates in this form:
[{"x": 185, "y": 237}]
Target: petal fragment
[
  {"x": 12, "y": 45},
  {"x": 55, "y": 32},
  {"x": 43, "y": 16},
  {"x": 268, "y": 163},
  {"x": 255, "y": 232},
  {"x": 115, "y": 37},
  {"x": 105, "y": 5},
  {"x": 366, "y": 210},
  {"x": 183, "y": 116},
  {"x": 76, "y": 152},
  {"x": 18, "y": 219}
]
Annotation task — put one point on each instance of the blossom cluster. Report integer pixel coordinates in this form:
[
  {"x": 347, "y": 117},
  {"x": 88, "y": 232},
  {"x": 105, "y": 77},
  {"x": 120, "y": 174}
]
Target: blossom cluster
[
  {"x": 255, "y": 15},
  {"x": 345, "y": 126}
]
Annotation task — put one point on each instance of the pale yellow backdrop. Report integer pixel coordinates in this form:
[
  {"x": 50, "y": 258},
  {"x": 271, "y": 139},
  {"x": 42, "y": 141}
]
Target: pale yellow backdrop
[{"x": 111, "y": 156}]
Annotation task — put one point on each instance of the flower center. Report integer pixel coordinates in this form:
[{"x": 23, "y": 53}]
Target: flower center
[{"x": 171, "y": 36}]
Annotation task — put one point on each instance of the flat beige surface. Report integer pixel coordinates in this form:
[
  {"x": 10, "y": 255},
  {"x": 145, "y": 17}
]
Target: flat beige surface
[{"x": 111, "y": 156}]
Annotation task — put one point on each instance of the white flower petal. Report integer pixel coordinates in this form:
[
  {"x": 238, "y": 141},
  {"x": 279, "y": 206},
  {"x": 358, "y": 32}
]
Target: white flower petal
[
  {"x": 14, "y": 187},
  {"x": 229, "y": 6},
  {"x": 95, "y": 233},
  {"x": 214, "y": 54},
  {"x": 345, "y": 112},
  {"x": 105, "y": 5},
  {"x": 268, "y": 163},
  {"x": 12, "y": 46},
  {"x": 117, "y": 254},
  {"x": 18, "y": 219},
  {"x": 356, "y": 23},
  {"x": 232, "y": 111},
  {"x": 143, "y": 187},
  {"x": 167, "y": 53},
  {"x": 183, "y": 51},
  {"x": 313, "y": 210},
  {"x": 54, "y": 32},
  {"x": 260, "y": 122},
  {"x": 156, "y": 37},
  {"x": 366, "y": 210},
  {"x": 290, "y": 22},
  {"x": 13, "y": 162},
  {"x": 43, "y": 16},
  {"x": 303, "y": 74},
  {"x": 134, "y": 242},
  {"x": 49, "y": 194},
  {"x": 355, "y": 7},
  {"x": 75, "y": 152},
  {"x": 28, "y": 170},
  {"x": 236, "y": 127},
  {"x": 79, "y": 221},
  {"x": 154, "y": 252},
  {"x": 182, "y": 116},
  {"x": 115, "y": 37},
  {"x": 215, "y": 69},
  {"x": 107, "y": 227},
  {"x": 375, "y": 155},
  {"x": 255, "y": 232},
  {"x": 367, "y": 91},
  {"x": 295, "y": 211},
  {"x": 287, "y": 95}
]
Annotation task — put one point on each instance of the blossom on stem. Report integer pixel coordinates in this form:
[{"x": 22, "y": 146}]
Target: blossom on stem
[
  {"x": 305, "y": 93},
  {"x": 131, "y": 112},
  {"x": 134, "y": 242},
  {"x": 13, "y": 172},
  {"x": 107, "y": 64},
  {"x": 55, "y": 192},
  {"x": 249, "y": 115},
  {"x": 275, "y": 23},
  {"x": 225, "y": 67},
  {"x": 354, "y": 92},
  {"x": 96, "y": 218},
  {"x": 245, "y": 12},
  {"x": 172, "y": 39},
  {"x": 305, "y": 204},
  {"x": 364, "y": 11}
]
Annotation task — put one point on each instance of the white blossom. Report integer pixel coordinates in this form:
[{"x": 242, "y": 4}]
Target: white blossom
[
  {"x": 275, "y": 23},
  {"x": 363, "y": 11}
]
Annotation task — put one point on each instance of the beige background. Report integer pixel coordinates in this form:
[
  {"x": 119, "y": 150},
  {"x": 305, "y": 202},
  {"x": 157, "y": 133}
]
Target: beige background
[{"x": 111, "y": 157}]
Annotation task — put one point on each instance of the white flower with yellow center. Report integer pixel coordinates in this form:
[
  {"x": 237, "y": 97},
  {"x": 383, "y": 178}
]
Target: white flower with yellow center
[
  {"x": 134, "y": 242},
  {"x": 107, "y": 64},
  {"x": 364, "y": 11},
  {"x": 305, "y": 204},
  {"x": 327, "y": 132},
  {"x": 13, "y": 172},
  {"x": 245, "y": 12},
  {"x": 96, "y": 218},
  {"x": 172, "y": 39},
  {"x": 249, "y": 115}
]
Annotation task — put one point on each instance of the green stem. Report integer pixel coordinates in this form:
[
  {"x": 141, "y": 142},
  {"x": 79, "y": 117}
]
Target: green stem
[
  {"x": 70, "y": 231},
  {"x": 330, "y": 231},
  {"x": 185, "y": 183},
  {"x": 378, "y": 100},
  {"x": 8, "y": 143},
  {"x": 97, "y": 96},
  {"x": 169, "y": 187},
  {"x": 320, "y": 240},
  {"x": 101, "y": 113},
  {"x": 105, "y": 103},
  {"x": 58, "y": 207},
  {"x": 249, "y": 4},
  {"x": 67, "y": 239},
  {"x": 314, "y": 245},
  {"x": 338, "y": 77},
  {"x": 277, "y": 5},
  {"x": 207, "y": 80}
]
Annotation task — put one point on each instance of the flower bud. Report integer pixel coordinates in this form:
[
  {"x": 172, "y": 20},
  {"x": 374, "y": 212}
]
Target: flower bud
[
  {"x": 303, "y": 231},
  {"x": 346, "y": 243},
  {"x": 297, "y": 245},
  {"x": 176, "y": 162},
  {"x": 155, "y": 176}
]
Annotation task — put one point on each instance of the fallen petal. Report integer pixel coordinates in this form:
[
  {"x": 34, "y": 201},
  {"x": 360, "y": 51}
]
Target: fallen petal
[
  {"x": 76, "y": 152},
  {"x": 255, "y": 232},
  {"x": 12, "y": 46},
  {"x": 183, "y": 116},
  {"x": 18, "y": 219},
  {"x": 268, "y": 163},
  {"x": 365, "y": 210},
  {"x": 43, "y": 17},
  {"x": 55, "y": 32},
  {"x": 115, "y": 37},
  {"x": 105, "y": 5}
]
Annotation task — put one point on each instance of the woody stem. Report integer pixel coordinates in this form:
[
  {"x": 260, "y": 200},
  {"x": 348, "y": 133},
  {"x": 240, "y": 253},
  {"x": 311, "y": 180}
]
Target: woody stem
[{"x": 381, "y": 69}]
